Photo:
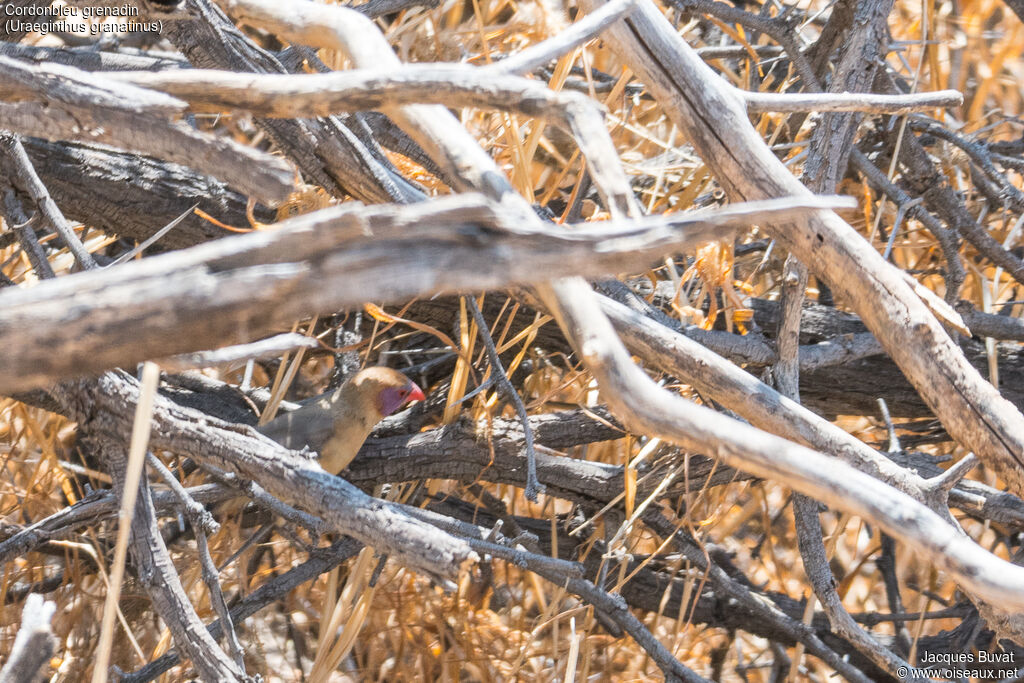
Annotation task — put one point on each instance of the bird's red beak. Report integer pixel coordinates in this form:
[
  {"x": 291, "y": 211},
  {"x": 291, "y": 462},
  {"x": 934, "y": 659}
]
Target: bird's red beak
[{"x": 415, "y": 393}]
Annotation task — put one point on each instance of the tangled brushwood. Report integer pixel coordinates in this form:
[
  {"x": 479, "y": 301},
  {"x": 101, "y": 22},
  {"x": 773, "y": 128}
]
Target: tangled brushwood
[{"x": 715, "y": 307}]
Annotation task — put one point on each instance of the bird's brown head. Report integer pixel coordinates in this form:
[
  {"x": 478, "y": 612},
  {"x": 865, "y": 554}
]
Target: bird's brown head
[{"x": 387, "y": 389}]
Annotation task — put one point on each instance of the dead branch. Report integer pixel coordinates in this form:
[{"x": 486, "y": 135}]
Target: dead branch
[
  {"x": 134, "y": 196},
  {"x": 850, "y": 102},
  {"x": 62, "y": 103},
  {"x": 327, "y": 151},
  {"x": 34, "y": 643},
  {"x": 99, "y": 506},
  {"x": 453, "y": 85},
  {"x": 972, "y": 411},
  {"x": 234, "y": 291},
  {"x": 643, "y": 406},
  {"x": 24, "y": 177},
  {"x": 757, "y": 402},
  {"x": 154, "y": 566},
  {"x": 107, "y": 402},
  {"x": 327, "y": 260},
  {"x": 320, "y": 560}
]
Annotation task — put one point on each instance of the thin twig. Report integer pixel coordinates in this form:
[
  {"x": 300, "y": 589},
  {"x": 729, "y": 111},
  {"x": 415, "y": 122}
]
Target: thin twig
[
  {"x": 954, "y": 274},
  {"x": 271, "y": 347},
  {"x": 320, "y": 560},
  {"x": 24, "y": 175},
  {"x": 21, "y": 225},
  {"x": 155, "y": 237},
  {"x": 129, "y": 493},
  {"x": 763, "y": 609},
  {"x": 577, "y": 34},
  {"x": 758, "y": 102},
  {"x": 780, "y": 29},
  {"x": 202, "y": 523},
  {"x": 500, "y": 377},
  {"x": 979, "y": 154}
]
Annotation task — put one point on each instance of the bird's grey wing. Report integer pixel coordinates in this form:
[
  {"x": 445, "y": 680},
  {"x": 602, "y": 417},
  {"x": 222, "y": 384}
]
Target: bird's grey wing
[{"x": 310, "y": 426}]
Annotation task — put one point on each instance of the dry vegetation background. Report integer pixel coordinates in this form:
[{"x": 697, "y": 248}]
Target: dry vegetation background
[{"x": 502, "y": 622}]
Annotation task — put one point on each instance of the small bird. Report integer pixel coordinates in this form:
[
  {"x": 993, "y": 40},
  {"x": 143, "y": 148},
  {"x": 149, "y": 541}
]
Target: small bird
[{"x": 336, "y": 424}]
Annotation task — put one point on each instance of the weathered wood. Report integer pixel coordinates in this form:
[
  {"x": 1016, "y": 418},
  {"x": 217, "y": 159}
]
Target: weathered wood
[
  {"x": 133, "y": 196},
  {"x": 854, "y": 387},
  {"x": 454, "y": 85},
  {"x": 716, "y": 122},
  {"x": 154, "y": 566},
  {"x": 648, "y": 409},
  {"x": 91, "y": 59},
  {"x": 236, "y": 289},
  {"x": 62, "y": 103},
  {"x": 34, "y": 643},
  {"x": 107, "y": 404},
  {"x": 325, "y": 150}
]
